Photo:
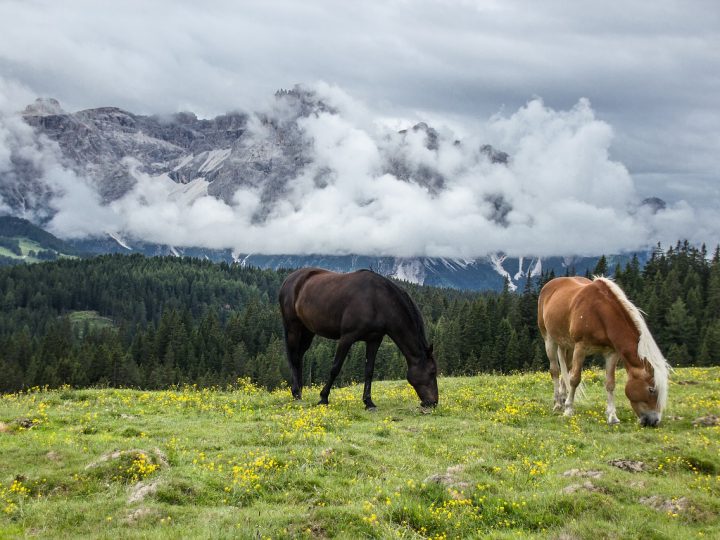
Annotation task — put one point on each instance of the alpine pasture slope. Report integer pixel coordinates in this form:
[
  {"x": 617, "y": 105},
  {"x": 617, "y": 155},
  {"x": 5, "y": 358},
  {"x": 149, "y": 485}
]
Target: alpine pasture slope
[{"x": 491, "y": 461}]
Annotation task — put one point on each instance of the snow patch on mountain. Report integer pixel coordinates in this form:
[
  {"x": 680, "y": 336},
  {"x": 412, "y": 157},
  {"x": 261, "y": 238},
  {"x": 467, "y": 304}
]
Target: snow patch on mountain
[
  {"x": 411, "y": 270},
  {"x": 214, "y": 159},
  {"x": 497, "y": 263},
  {"x": 184, "y": 161},
  {"x": 186, "y": 193},
  {"x": 537, "y": 269},
  {"x": 119, "y": 240}
]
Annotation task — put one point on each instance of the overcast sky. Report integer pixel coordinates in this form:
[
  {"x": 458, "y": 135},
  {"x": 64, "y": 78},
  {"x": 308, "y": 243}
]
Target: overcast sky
[{"x": 650, "y": 70}]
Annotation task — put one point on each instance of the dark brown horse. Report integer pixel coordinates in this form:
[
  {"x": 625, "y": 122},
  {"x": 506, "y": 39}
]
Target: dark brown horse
[
  {"x": 578, "y": 317},
  {"x": 360, "y": 306}
]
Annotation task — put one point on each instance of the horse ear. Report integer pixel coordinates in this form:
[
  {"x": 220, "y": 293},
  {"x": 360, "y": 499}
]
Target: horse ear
[{"x": 652, "y": 390}]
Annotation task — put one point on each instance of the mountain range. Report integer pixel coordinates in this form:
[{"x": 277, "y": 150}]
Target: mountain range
[
  {"x": 490, "y": 273},
  {"x": 110, "y": 148}
]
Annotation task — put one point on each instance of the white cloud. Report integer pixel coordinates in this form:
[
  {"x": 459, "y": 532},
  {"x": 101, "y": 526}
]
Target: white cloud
[
  {"x": 563, "y": 194},
  {"x": 649, "y": 68}
]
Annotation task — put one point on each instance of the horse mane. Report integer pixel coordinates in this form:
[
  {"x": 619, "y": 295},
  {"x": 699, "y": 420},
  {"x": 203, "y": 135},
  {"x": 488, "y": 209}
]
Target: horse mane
[
  {"x": 647, "y": 348},
  {"x": 411, "y": 308}
]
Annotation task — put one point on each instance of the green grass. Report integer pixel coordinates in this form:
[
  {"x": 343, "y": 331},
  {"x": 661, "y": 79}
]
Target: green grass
[
  {"x": 245, "y": 463},
  {"x": 91, "y": 318},
  {"x": 27, "y": 245}
]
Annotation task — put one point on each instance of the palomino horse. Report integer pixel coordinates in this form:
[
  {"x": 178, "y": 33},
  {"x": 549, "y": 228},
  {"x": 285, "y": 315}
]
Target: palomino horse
[
  {"x": 360, "y": 306},
  {"x": 578, "y": 317}
]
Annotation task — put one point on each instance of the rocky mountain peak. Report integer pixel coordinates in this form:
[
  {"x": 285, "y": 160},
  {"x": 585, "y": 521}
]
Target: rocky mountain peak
[
  {"x": 495, "y": 156},
  {"x": 305, "y": 101},
  {"x": 43, "y": 107}
]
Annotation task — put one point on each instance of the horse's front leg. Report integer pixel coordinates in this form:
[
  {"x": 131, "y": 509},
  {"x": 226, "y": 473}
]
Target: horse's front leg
[
  {"x": 340, "y": 353},
  {"x": 371, "y": 349},
  {"x": 611, "y": 361},
  {"x": 575, "y": 374}
]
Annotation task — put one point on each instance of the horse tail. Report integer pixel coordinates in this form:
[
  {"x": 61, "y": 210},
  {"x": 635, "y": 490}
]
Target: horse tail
[{"x": 647, "y": 348}]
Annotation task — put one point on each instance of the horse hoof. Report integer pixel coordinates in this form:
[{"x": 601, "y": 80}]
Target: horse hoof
[
  {"x": 370, "y": 408},
  {"x": 557, "y": 408},
  {"x": 322, "y": 402},
  {"x": 613, "y": 420},
  {"x": 568, "y": 412}
]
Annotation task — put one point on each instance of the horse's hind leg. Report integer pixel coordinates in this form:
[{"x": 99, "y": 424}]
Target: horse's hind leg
[
  {"x": 611, "y": 361},
  {"x": 297, "y": 341},
  {"x": 343, "y": 347},
  {"x": 371, "y": 349},
  {"x": 552, "y": 353},
  {"x": 563, "y": 355},
  {"x": 578, "y": 358}
]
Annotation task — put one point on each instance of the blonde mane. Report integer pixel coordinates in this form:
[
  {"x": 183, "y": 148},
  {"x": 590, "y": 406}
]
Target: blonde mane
[{"x": 647, "y": 348}]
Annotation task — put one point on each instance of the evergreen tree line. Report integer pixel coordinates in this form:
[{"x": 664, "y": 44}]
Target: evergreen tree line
[{"x": 165, "y": 321}]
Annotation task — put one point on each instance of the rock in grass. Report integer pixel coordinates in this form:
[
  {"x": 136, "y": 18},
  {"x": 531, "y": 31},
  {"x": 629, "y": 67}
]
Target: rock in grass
[
  {"x": 142, "y": 489},
  {"x": 586, "y": 486},
  {"x": 25, "y": 423},
  {"x": 117, "y": 454},
  {"x": 140, "y": 514},
  {"x": 583, "y": 473},
  {"x": 709, "y": 420},
  {"x": 628, "y": 465},
  {"x": 449, "y": 477},
  {"x": 672, "y": 506}
]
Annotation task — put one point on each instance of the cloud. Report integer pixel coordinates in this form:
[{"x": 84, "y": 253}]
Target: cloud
[
  {"x": 648, "y": 68},
  {"x": 559, "y": 194}
]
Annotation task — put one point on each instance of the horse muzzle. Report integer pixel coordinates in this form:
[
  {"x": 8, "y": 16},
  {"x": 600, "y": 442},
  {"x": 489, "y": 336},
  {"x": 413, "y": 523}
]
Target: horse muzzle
[
  {"x": 428, "y": 404},
  {"x": 650, "y": 419}
]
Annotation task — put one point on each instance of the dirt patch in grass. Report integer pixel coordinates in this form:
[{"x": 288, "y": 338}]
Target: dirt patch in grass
[
  {"x": 53, "y": 456},
  {"x": 4, "y": 428},
  {"x": 314, "y": 530}
]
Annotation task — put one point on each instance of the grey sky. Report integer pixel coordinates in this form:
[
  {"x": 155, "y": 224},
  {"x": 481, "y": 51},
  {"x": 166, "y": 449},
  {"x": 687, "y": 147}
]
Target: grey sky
[{"x": 650, "y": 69}]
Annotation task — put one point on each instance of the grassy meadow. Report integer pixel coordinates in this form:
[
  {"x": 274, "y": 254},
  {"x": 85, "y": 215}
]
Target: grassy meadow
[
  {"x": 26, "y": 246},
  {"x": 492, "y": 461}
]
